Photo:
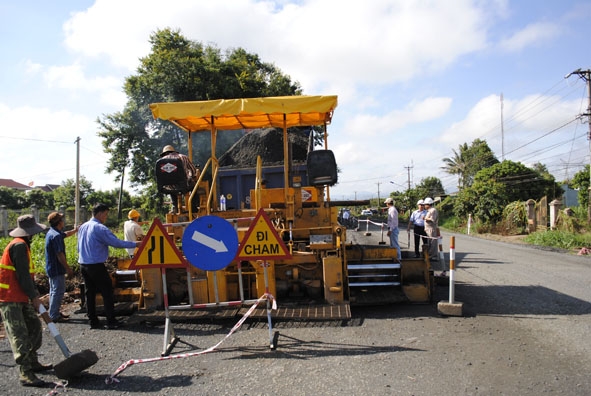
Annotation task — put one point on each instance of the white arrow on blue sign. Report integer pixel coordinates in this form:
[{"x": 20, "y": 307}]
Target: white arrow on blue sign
[{"x": 210, "y": 243}]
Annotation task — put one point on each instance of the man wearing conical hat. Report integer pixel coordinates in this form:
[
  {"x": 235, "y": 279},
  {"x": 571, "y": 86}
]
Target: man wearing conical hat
[{"x": 19, "y": 301}]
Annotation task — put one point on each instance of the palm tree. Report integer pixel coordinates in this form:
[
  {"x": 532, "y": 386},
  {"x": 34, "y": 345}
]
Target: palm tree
[{"x": 457, "y": 165}]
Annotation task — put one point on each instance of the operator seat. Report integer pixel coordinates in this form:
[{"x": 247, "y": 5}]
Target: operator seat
[{"x": 322, "y": 168}]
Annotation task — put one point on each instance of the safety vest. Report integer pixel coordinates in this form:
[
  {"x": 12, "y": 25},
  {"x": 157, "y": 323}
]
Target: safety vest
[{"x": 10, "y": 289}]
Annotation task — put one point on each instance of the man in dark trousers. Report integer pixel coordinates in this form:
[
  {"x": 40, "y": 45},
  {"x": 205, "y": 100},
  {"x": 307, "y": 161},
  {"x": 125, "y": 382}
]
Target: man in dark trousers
[
  {"x": 94, "y": 239},
  {"x": 19, "y": 301},
  {"x": 417, "y": 220}
]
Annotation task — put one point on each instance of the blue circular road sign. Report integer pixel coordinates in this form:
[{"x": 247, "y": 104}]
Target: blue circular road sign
[{"x": 210, "y": 243}]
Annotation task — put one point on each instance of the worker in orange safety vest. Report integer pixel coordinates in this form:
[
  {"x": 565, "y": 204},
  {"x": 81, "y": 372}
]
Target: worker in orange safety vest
[{"x": 19, "y": 301}]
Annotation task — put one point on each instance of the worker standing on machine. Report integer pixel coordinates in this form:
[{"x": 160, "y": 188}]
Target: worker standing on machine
[{"x": 191, "y": 171}]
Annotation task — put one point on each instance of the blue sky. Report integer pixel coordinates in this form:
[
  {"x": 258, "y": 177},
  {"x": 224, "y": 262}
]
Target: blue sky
[{"x": 415, "y": 79}]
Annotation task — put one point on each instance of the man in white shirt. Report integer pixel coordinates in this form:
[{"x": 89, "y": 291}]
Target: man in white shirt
[
  {"x": 417, "y": 220},
  {"x": 432, "y": 228},
  {"x": 393, "y": 230}
]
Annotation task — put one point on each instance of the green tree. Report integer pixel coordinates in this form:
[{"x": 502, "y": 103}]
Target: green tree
[
  {"x": 178, "y": 69},
  {"x": 468, "y": 161},
  {"x": 522, "y": 183},
  {"x": 110, "y": 198},
  {"x": 41, "y": 199},
  {"x": 430, "y": 187},
  {"x": 483, "y": 200},
  {"x": 11, "y": 198},
  {"x": 456, "y": 165},
  {"x": 580, "y": 182},
  {"x": 66, "y": 193},
  {"x": 496, "y": 186}
]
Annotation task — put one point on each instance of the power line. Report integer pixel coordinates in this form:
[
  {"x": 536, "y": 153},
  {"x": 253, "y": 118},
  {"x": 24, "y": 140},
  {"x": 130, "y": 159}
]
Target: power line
[
  {"x": 544, "y": 135},
  {"x": 35, "y": 140}
]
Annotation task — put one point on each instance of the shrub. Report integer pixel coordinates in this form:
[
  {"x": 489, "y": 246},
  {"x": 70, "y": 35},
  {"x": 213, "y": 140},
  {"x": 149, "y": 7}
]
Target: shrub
[{"x": 514, "y": 219}]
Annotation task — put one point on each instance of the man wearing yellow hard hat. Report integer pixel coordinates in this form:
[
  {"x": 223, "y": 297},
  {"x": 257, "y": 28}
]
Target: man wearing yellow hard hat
[{"x": 132, "y": 230}]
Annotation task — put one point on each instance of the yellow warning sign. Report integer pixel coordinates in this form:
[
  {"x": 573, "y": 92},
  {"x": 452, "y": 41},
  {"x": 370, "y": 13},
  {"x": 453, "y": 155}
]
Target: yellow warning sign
[
  {"x": 157, "y": 250},
  {"x": 262, "y": 242}
]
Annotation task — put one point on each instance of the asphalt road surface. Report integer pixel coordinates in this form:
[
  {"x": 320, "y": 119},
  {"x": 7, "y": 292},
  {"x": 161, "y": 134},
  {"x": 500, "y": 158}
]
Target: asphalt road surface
[{"x": 524, "y": 331}]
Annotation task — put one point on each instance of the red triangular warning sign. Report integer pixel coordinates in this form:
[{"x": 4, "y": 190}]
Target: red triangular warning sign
[{"x": 157, "y": 250}]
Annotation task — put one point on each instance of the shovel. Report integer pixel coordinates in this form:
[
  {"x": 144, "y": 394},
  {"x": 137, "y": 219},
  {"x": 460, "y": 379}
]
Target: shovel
[{"x": 74, "y": 363}]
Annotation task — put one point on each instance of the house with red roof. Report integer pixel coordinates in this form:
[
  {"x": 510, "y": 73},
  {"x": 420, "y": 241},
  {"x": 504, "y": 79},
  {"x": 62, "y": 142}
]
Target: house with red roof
[{"x": 15, "y": 185}]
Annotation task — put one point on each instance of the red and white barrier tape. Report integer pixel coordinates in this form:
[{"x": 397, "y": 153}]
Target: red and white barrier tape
[
  {"x": 60, "y": 386},
  {"x": 111, "y": 379}
]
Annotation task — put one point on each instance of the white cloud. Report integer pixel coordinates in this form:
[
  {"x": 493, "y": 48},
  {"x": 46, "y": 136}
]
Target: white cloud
[
  {"x": 116, "y": 29},
  {"x": 533, "y": 34},
  {"x": 530, "y": 121},
  {"x": 318, "y": 42},
  {"x": 397, "y": 119},
  {"x": 73, "y": 78},
  {"x": 483, "y": 118},
  {"x": 31, "y": 67},
  {"x": 47, "y": 149}
]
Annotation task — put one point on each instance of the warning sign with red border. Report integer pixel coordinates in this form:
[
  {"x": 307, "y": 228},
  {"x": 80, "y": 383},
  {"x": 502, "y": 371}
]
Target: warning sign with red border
[
  {"x": 262, "y": 242},
  {"x": 157, "y": 250}
]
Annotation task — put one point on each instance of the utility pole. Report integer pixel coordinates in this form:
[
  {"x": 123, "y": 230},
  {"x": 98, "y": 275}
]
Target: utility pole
[
  {"x": 408, "y": 168},
  {"x": 379, "y": 202},
  {"x": 586, "y": 75},
  {"x": 119, "y": 208},
  {"x": 502, "y": 131},
  {"x": 77, "y": 189}
]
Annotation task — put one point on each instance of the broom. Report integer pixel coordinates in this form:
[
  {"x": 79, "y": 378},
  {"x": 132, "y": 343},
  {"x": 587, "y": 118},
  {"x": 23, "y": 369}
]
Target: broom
[{"x": 74, "y": 363}]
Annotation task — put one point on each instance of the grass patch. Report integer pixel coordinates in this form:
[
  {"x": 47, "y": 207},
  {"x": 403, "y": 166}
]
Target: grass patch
[
  {"x": 559, "y": 239},
  {"x": 38, "y": 251}
]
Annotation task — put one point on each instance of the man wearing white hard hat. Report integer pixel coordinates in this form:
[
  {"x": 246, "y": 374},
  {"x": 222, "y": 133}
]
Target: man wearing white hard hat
[
  {"x": 393, "y": 230},
  {"x": 417, "y": 221}
]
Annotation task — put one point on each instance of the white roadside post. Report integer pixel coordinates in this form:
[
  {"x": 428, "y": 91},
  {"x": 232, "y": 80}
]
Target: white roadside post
[{"x": 451, "y": 307}]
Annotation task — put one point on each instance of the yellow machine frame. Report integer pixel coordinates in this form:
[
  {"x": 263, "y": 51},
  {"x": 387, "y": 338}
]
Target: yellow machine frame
[{"x": 318, "y": 267}]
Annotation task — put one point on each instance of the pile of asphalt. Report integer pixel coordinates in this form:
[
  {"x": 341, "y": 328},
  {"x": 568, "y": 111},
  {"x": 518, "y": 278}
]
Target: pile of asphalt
[{"x": 268, "y": 143}]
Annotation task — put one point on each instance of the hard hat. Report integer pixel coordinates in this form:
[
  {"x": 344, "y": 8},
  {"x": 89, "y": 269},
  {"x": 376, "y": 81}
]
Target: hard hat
[
  {"x": 167, "y": 149},
  {"x": 428, "y": 201},
  {"x": 389, "y": 201},
  {"x": 420, "y": 202},
  {"x": 133, "y": 214}
]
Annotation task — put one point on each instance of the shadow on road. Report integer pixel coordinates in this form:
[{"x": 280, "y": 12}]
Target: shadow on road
[
  {"x": 518, "y": 300},
  {"x": 129, "y": 383},
  {"x": 295, "y": 348}
]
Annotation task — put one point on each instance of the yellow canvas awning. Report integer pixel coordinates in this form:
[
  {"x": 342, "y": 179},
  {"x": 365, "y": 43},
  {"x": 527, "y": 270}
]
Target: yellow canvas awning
[{"x": 250, "y": 113}]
